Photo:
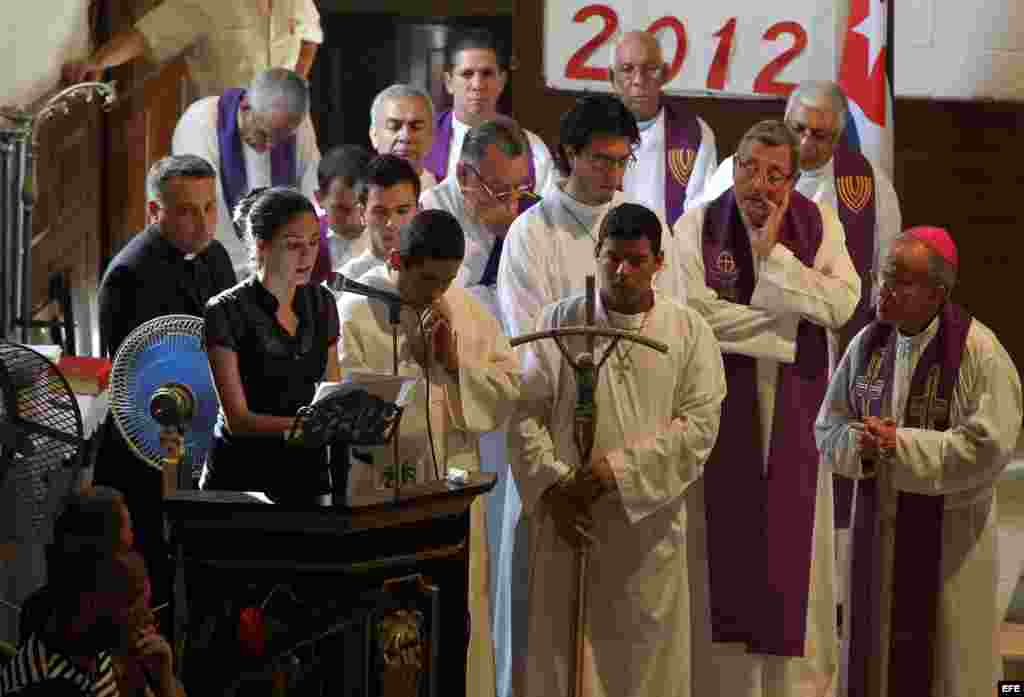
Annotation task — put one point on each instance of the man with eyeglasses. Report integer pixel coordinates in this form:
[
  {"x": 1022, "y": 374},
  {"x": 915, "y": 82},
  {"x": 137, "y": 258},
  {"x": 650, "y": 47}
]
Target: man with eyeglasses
[
  {"x": 490, "y": 187},
  {"x": 402, "y": 123},
  {"x": 677, "y": 153},
  {"x": 388, "y": 198},
  {"x": 476, "y": 71},
  {"x": 768, "y": 268},
  {"x": 924, "y": 412},
  {"x": 252, "y": 138}
]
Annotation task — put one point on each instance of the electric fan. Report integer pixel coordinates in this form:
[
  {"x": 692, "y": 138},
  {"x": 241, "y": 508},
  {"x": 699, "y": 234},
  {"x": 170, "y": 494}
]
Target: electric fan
[
  {"x": 161, "y": 378},
  {"x": 40, "y": 431}
]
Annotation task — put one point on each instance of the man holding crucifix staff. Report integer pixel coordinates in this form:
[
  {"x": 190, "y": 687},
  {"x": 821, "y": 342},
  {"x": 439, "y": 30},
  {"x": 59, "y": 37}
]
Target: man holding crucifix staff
[{"x": 655, "y": 421}]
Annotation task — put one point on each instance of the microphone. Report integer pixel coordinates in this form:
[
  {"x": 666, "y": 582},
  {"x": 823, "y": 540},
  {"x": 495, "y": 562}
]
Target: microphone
[{"x": 344, "y": 284}]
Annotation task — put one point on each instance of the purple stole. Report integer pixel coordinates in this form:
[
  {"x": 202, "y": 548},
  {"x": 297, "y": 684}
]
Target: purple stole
[
  {"x": 918, "y": 538},
  {"x": 323, "y": 266},
  {"x": 855, "y": 198},
  {"x": 682, "y": 143},
  {"x": 436, "y": 160},
  {"x": 232, "y": 160},
  {"x": 761, "y": 521}
]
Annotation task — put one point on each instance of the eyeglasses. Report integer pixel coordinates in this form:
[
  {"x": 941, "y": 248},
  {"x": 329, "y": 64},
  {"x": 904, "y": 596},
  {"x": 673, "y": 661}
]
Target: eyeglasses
[
  {"x": 606, "y": 163},
  {"x": 822, "y": 135},
  {"x": 752, "y": 169},
  {"x": 505, "y": 197},
  {"x": 649, "y": 71}
]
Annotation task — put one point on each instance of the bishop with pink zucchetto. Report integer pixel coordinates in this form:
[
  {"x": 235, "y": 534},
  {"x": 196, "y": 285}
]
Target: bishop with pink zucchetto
[{"x": 923, "y": 412}]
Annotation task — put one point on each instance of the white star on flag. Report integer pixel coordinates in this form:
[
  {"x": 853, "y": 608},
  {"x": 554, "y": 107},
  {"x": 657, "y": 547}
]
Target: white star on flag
[{"x": 872, "y": 28}]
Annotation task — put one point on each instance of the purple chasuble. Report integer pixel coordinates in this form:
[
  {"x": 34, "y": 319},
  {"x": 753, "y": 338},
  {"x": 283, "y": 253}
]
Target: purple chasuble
[
  {"x": 855, "y": 199},
  {"x": 233, "y": 178},
  {"x": 761, "y": 517},
  {"x": 682, "y": 143},
  {"x": 436, "y": 161},
  {"x": 917, "y": 555}
]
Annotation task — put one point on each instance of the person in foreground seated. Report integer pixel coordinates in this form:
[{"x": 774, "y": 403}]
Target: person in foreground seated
[
  {"x": 171, "y": 268},
  {"x": 338, "y": 178},
  {"x": 450, "y": 339},
  {"x": 402, "y": 124},
  {"x": 657, "y": 420},
  {"x": 100, "y": 606},
  {"x": 924, "y": 412},
  {"x": 491, "y": 179},
  {"x": 270, "y": 340},
  {"x": 768, "y": 269},
  {"x": 389, "y": 198}
]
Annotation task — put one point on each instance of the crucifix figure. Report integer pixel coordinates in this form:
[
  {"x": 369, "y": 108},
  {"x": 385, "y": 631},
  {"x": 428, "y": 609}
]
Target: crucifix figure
[{"x": 586, "y": 367}]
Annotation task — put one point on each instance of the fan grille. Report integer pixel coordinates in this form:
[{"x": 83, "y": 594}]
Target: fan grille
[
  {"x": 37, "y": 397},
  {"x": 164, "y": 349}
]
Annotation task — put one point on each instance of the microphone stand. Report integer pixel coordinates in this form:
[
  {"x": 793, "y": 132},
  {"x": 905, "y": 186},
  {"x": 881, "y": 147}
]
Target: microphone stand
[{"x": 395, "y": 318}]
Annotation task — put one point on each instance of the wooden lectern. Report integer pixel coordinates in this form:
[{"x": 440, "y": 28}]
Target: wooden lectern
[{"x": 334, "y": 570}]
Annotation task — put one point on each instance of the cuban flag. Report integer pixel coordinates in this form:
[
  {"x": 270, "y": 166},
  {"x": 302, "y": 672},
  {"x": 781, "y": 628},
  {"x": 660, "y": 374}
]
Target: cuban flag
[{"x": 865, "y": 74}]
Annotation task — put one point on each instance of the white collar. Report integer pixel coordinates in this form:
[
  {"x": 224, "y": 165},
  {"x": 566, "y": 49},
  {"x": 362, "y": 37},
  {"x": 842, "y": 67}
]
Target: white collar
[{"x": 921, "y": 339}]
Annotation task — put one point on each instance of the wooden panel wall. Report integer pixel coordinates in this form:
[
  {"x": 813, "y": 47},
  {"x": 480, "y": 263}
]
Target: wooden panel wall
[{"x": 957, "y": 165}]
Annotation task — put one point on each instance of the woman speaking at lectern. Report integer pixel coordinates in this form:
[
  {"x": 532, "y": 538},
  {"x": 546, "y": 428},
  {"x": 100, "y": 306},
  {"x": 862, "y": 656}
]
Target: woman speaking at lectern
[{"x": 270, "y": 340}]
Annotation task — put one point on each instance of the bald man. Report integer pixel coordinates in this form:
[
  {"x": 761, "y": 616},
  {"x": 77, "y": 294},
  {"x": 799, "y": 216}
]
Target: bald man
[
  {"x": 677, "y": 153},
  {"x": 923, "y": 412}
]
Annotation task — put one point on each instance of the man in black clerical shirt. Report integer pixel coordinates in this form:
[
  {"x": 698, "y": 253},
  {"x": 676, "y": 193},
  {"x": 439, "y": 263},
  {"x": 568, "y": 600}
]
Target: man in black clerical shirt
[{"x": 172, "y": 267}]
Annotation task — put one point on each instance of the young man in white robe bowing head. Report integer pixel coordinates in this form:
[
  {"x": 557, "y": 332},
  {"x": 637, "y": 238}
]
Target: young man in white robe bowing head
[
  {"x": 924, "y": 412},
  {"x": 656, "y": 422},
  {"x": 448, "y": 337},
  {"x": 769, "y": 271}
]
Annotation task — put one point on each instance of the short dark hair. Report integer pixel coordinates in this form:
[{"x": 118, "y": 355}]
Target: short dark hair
[
  {"x": 432, "y": 234},
  {"x": 264, "y": 211},
  {"x": 598, "y": 114},
  {"x": 346, "y": 161},
  {"x": 385, "y": 171},
  {"x": 476, "y": 38},
  {"x": 773, "y": 133},
  {"x": 90, "y": 518},
  {"x": 630, "y": 221},
  {"x": 172, "y": 166},
  {"x": 502, "y": 132}
]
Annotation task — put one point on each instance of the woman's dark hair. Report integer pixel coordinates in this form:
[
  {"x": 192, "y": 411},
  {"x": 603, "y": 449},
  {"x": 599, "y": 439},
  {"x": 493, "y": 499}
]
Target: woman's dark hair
[
  {"x": 593, "y": 115},
  {"x": 262, "y": 212},
  {"x": 630, "y": 221}
]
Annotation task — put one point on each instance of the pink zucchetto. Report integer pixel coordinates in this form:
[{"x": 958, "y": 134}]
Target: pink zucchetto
[{"x": 938, "y": 240}]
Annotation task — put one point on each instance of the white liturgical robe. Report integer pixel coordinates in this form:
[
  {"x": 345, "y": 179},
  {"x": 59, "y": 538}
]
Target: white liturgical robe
[
  {"x": 479, "y": 399},
  {"x": 962, "y": 464},
  {"x": 543, "y": 164},
  {"x": 196, "y": 134},
  {"x": 645, "y": 181},
  {"x": 785, "y": 292},
  {"x": 357, "y": 267},
  {"x": 657, "y": 420}
]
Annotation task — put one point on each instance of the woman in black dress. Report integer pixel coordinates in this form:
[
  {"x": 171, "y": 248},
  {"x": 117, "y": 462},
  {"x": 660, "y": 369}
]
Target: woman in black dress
[{"x": 270, "y": 340}]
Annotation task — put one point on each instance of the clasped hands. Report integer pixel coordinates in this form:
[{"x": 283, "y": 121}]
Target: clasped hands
[
  {"x": 439, "y": 337},
  {"x": 571, "y": 499},
  {"x": 876, "y": 438}
]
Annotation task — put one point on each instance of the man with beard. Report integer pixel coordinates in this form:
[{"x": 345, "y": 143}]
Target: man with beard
[
  {"x": 388, "y": 198},
  {"x": 677, "y": 154},
  {"x": 768, "y": 269},
  {"x": 339, "y": 175},
  {"x": 476, "y": 70},
  {"x": 402, "y": 124},
  {"x": 924, "y": 412}
]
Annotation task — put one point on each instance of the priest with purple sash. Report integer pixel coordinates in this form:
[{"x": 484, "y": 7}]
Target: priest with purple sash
[
  {"x": 252, "y": 138},
  {"x": 677, "y": 153},
  {"x": 476, "y": 70},
  {"x": 923, "y": 412},
  {"x": 769, "y": 270}
]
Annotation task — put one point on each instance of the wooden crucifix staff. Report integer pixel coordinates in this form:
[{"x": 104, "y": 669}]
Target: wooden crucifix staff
[{"x": 586, "y": 366}]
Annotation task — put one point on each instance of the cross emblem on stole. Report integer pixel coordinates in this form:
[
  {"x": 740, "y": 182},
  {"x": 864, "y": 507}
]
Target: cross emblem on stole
[
  {"x": 926, "y": 409},
  {"x": 868, "y": 387}
]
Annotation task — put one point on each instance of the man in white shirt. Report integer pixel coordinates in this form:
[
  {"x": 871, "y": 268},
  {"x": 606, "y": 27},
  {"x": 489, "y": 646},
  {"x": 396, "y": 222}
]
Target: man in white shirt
[
  {"x": 252, "y": 138},
  {"x": 677, "y": 153},
  {"x": 476, "y": 71},
  {"x": 338, "y": 179},
  {"x": 768, "y": 269},
  {"x": 226, "y": 43},
  {"x": 389, "y": 198},
  {"x": 402, "y": 123},
  {"x": 484, "y": 195}
]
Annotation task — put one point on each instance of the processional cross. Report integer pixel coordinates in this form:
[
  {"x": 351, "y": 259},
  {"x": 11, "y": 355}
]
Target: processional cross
[{"x": 586, "y": 367}]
